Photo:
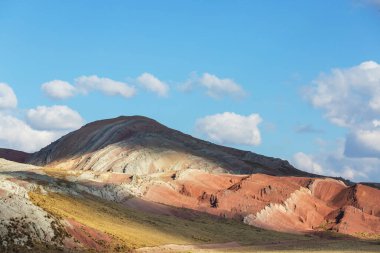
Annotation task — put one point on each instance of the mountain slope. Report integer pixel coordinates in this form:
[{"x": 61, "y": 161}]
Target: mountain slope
[
  {"x": 49, "y": 210},
  {"x": 139, "y": 145},
  {"x": 135, "y": 162},
  {"x": 166, "y": 166},
  {"x": 14, "y": 155}
]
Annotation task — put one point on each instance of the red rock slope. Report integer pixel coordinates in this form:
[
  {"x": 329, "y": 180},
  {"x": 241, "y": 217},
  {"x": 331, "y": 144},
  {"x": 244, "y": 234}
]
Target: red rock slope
[{"x": 297, "y": 204}]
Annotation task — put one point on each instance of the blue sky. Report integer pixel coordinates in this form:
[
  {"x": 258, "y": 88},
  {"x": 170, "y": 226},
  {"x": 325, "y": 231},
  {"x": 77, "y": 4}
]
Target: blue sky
[{"x": 273, "y": 52}]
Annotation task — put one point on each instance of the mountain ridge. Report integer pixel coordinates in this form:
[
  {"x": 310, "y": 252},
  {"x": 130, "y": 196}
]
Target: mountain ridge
[
  {"x": 14, "y": 155},
  {"x": 125, "y": 133}
]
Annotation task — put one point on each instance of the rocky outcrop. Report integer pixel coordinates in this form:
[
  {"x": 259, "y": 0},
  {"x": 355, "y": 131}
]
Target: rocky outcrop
[
  {"x": 300, "y": 212},
  {"x": 326, "y": 205},
  {"x": 23, "y": 224},
  {"x": 297, "y": 204},
  {"x": 353, "y": 221}
]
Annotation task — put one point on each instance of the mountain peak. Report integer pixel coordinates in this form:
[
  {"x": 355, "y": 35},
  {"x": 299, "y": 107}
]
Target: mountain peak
[
  {"x": 134, "y": 119},
  {"x": 140, "y": 145}
]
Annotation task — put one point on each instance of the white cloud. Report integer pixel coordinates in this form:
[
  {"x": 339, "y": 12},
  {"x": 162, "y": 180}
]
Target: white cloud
[
  {"x": 369, "y": 138},
  {"x": 153, "y": 84},
  {"x": 56, "y": 117},
  {"x": 231, "y": 128},
  {"x": 376, "y": 123},
  {"x": 58, "y": 89},
  {"x": 215, "y": 87},
  {"x": 348, "y": 173},
  {"x": 333, "y": 162},
  {"x": 46, "y": 123},
  {"x": 363, "y": 143},
  {"x": 352, "y": 174},
  {"x": 16, "y": 134},
  {"x": 306, "y": 162},
  {"x": 8, "y": 98},
  {"x": 108, "y": 86},
  {"x": 348, "y": 96}
]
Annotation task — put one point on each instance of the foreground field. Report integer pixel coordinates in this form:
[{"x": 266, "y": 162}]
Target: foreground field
[{"x": 114, "y": 227}]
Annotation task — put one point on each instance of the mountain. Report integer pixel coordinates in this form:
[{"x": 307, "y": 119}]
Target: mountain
[
  {"x": 130, "y": 182},
  {"x": 14, "y": 155},
  {"x": 139, "y": 145}
]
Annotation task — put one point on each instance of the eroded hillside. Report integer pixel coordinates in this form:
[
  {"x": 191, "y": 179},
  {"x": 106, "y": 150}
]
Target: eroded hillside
[
  {"x": 131, "y": 183},
  {"x": 50, "y": 210}
]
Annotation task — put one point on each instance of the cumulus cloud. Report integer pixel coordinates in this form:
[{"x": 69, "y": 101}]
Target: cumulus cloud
[
  {"x": 58, "y": 89},
  {"x": 218, "y": 87},
  {"x": 363, "y": 143},
  {"x": 376, "y": 123},
  {"x": 356, "y": 174},
  {"x": 16, "y": 134},
  {"x": 215, "y": 87},
  {"x": 331, "y": 161},
  {"x": 57, "y": 117},
  {"x": 108, "y": 86},
  {"x": 231, "y": 128},
  {"x": 8, "y": 98},
  {"x": 44, "y": 124},
  {"x": 350, "y": 98},
  {"x": 306, "y": 163},
  {"x": 153, "y": 84}
]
